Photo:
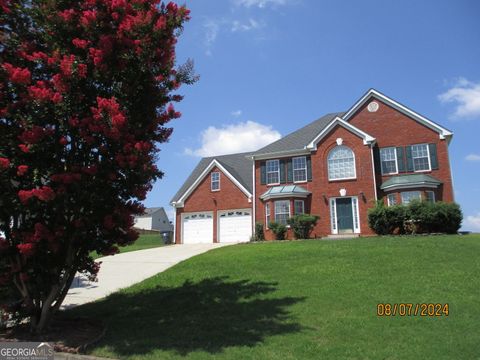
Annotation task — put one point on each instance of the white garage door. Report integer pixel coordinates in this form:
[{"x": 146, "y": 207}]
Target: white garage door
[
  {"x": 234, "y": 225},
  {"x": 197, "y": 228}
]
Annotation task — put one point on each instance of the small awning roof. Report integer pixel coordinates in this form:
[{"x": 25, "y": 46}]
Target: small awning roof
[
  {"x": 285, "y": 191},
  {"x": 410, "y": 181}
]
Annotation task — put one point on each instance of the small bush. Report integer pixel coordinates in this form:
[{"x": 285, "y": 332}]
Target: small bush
[
  {"x": 278, "y": 229},
  {"x": 259, "y": 234},
  {"x": 416, "y": 217},
  {"x": 302, "y": 225}
]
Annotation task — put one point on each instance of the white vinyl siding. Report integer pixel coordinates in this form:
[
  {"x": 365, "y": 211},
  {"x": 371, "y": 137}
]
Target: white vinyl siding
[
  {"x": 408, "y": 196},
  {"x": 299, "y": 169},
  {"x": 341, "y": 163},
  {"x": 388, "y": 157},
  {"x": 282, "y": 211},
  {"x": 215, "y": 181},
  {"x": 421, "y": 157},
  {"x": 273, "y": 171}
]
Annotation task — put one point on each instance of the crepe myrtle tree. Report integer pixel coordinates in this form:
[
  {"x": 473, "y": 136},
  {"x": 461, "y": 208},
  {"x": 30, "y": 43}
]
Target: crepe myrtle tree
[{"x": 86, "y": 91}]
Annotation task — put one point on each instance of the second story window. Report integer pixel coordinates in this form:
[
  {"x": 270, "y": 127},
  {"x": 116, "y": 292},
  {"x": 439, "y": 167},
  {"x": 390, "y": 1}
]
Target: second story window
[
  {"x": 299, "y": 169},
  {"x": 273, "y": 171},
  {"x": 215, "y": 181},
  {"x": 341, "y": 163},
  {"x": 421, "y": 158},
  {"x": 388, "y": 157}
]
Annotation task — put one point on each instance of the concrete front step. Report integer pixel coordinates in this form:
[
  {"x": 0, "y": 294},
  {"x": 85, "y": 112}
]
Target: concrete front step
[{"x": 342, "y": 236}]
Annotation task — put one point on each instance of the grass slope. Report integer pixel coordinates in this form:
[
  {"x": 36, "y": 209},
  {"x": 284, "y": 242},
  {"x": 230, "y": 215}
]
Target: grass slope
[
  {"x": 143, "y": 242},
  {"x": 301, "y": 300}
]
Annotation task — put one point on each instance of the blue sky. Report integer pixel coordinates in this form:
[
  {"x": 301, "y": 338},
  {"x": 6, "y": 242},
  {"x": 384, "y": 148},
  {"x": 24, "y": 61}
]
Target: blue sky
[{"x": 269, "y": 67}]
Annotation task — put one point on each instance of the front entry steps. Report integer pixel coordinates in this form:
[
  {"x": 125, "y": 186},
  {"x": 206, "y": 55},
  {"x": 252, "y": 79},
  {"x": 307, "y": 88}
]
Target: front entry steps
[{"x": 341, "y": 236}]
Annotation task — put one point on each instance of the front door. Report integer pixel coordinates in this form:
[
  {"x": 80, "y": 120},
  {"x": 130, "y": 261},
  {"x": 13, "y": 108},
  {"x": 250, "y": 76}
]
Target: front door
[{"x": 344, "y": 215}]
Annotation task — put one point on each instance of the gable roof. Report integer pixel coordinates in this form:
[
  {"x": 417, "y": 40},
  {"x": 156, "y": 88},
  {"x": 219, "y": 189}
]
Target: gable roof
[
  {"x": 150, "y": 211},
  {"x": 444, "y": 133},
  {"x": 237, "y": 165},
  {"x": 367, "y": 139},
  {"x": 297, "y": 140}
]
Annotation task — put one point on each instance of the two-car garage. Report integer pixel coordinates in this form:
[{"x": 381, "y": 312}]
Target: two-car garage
[{"x": 232, "y": 226}]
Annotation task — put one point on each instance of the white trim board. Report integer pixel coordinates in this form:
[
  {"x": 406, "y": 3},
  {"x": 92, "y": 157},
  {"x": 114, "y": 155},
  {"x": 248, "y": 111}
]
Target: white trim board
[
  {"x": 213, "y": 163},
  {"x": 443, "y": 132},
  {"x": 367, "y": 139}
]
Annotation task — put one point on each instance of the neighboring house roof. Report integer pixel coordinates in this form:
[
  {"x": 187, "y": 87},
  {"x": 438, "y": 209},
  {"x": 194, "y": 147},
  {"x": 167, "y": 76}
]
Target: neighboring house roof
[
  {"x": 283, "y": 191},
  {"x": 150, "y": 211},
  {"x": 410, "y": 181},
  {"x": 442, "y": 131},
  {"x": 237, "y": 165},
  {"x": 298, "y": 140}
]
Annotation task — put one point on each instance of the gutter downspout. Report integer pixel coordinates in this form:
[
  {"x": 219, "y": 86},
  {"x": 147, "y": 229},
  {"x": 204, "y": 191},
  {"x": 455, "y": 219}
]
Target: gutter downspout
[
  {"x": 254, "y": 199},
  {"x": 373, "y": 171},
  {"x": 174, "y": 222}
]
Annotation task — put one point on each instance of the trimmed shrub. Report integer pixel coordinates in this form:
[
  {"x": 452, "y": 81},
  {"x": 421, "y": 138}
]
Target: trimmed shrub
[
  {"x": 416, "y": 217},
  {"x": 302, "y": 225},
  {"x": 278, "y": 229},
  {"x": 259, "y": 234}
]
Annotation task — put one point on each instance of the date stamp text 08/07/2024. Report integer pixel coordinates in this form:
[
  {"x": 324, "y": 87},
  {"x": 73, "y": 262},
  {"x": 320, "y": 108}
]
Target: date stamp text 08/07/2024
[{"x": 413, "y": 309}]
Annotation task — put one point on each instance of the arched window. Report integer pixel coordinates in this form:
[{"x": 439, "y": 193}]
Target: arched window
[{"x": 341, "y": 163}]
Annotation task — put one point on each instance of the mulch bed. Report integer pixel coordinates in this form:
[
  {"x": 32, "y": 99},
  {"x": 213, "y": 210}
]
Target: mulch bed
[{"x": 66, "y": 335}]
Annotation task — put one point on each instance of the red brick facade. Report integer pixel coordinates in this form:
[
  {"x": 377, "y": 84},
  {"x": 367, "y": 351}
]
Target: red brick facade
[
  {"x": 204, "y": 199},
  {"x": 389, "y": 126}
]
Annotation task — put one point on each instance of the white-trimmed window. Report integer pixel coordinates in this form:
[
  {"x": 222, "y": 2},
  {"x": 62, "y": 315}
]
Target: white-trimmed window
[
  {"x": 430, "y": 196},
  {"x": 267, "y": 214},
  {"x": 298, "y": 207},
  {"x": 282, "y": 211},
  {"x": 392, "y": 199},
  {"x": 408, "y": 196},
  {"x": 341, "y": 163},
  {"x": 299, "y": 169},
  {"x": 421, "y": 157},
  {"x": 273, "y": 171},
  {"x": 388, "y": 157},
  {"x": 215, "y": 181}
]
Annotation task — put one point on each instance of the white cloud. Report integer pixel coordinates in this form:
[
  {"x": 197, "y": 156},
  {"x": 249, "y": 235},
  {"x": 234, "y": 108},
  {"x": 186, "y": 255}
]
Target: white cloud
[
  {"x": 472, "y": 222},
  {"x": 466, "y": 96},
  {"x": 251, "y": 24},
  {"x": 260, "y": 3},
  {"x": 234, "y": 138},
  {"x": 212, "y": 28},
  {"x": 236, "y": 113},
  {"x": 472, "y": 157}
]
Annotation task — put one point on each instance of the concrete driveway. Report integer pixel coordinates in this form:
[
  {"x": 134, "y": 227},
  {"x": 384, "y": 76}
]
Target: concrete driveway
[{"x": 123, "y": 270}]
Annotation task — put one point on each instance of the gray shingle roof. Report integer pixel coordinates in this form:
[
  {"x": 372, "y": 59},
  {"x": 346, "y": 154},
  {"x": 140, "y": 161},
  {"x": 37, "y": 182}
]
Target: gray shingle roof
[
  {"x": 236, "y": 164},
  {"x": 297, "y": 140},
  {"x": 150, "y": 211}
]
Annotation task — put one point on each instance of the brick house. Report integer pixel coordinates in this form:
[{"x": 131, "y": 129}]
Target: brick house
[{"x": 335, "y": 167}]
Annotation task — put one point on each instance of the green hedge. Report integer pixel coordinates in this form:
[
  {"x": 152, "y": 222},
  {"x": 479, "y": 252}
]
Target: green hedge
[
  {"x": 278, "y": 229},
  {"x": 302, "y": 225},
  {"x": 416, "y": 217}
]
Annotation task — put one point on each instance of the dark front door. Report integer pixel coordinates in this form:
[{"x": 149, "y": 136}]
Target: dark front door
[{"x": 344, "y": 215}]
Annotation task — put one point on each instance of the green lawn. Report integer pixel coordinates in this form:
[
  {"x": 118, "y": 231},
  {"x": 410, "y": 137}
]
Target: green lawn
[
  {"x": 142, "y": 243},
  {"x": 302, "y": 300}
]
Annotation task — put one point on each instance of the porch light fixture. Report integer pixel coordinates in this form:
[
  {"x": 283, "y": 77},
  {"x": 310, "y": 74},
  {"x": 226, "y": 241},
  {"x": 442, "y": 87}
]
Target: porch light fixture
[
  {"x": 343, "y": 192},
  {"x": 362, "y": 194}
]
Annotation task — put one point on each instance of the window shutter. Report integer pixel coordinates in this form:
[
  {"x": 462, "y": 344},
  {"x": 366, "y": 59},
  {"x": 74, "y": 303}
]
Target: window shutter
[
  {"x": 433, "y": 156},
  {"x": 289, "y": 171},
  {"x": 408, "y": 151},
  {"x": 400, "y": 159},
  {"x": 263, "y": 173},
  {"x": 376, "y": 160},
  {"x": 282, "y": 171},
  {"x": 309, "y": 168}
]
